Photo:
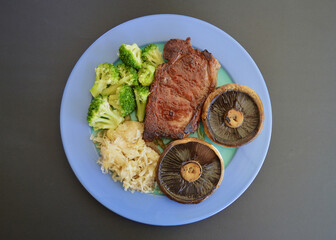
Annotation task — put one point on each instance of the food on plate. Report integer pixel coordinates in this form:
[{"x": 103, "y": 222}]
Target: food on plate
[
  {"x": 101, "y": 115},
  {"x": 123, "y": 100},
  {"x": 152, "y": 55},
  {"x": 117, "y": 93},
  {"x": 106, "y": 74},
  {"x": 128, "y": 76},
  {"x": 117, "y": 84},
  {"x": 141, "y": 96},
  {"x": 130, "y": 55},
  {"x": 179, "y": 90},
  {"x": 176, "y": 47},
  {"x": 153, "y": 146},
  {"x": 233, "y": 115},
  {"x": 189, "y": 170},
  {"x": 170, "y": 98},
  {"x": 146, "y": 74},
  {"x": 126, "y": 156}
]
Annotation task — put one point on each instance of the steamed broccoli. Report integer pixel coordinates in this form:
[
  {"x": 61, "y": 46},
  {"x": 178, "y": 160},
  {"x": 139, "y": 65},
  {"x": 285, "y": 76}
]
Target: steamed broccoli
[
  {"x": 123, "y": 100},
  {"x": 146, "y": 74},
  {"x": 106, "y": 74},
  {"x": 129, "y": 76},
  {"x": 130, "y": 55},
  {"x": 141, "y": 96},
  {"x": 151, "y": 54},
  {"x": 101, "y": 116}
]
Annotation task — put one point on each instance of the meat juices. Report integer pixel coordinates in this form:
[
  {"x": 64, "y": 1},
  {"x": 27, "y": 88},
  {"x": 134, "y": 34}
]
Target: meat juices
[{"x": 179, "y": 90}]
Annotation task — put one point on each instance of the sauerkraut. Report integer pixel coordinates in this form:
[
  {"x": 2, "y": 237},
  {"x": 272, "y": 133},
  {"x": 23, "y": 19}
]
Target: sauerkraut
[{"x": 125, "y": 155}]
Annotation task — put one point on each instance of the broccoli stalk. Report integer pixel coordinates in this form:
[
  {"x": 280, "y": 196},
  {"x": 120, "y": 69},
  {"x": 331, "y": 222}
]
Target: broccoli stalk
[
  {"x": 111, "y": 89},
  {"x": 106, "y": 74},
  {"x": 101, "y": 116},
  {"x": 141, "y": 97},
  {"x": 123, "y": 100},
  {"x": 130, "y": 55},
  {"x": 146, "y": 74},
  {"x": 152, "y": 55}
]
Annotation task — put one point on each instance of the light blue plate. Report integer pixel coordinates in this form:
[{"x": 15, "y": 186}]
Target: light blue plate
[{"x": 81, "y": 152}]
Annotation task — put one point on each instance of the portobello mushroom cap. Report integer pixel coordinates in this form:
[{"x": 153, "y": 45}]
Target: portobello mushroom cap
[
  {"x": 233, "y": 115},
  {"x": 189, "y": 170}
]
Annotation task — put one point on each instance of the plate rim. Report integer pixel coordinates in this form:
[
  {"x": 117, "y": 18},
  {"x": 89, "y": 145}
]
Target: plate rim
[{"x": 269, "y": 108}]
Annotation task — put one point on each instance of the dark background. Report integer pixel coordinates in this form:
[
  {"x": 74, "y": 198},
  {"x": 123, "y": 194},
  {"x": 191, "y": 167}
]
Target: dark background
[{"x": 292, "y": 42}]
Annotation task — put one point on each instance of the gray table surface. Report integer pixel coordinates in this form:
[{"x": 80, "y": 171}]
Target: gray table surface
[{"x": 292, "y": 42}]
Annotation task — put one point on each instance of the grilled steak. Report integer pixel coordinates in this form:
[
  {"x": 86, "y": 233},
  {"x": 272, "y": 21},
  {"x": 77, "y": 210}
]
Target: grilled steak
[{"x": 179, "y": 90}]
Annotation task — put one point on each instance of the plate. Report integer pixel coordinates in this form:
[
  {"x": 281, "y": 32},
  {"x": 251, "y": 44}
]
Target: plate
[{"x": 82, "y": 154}]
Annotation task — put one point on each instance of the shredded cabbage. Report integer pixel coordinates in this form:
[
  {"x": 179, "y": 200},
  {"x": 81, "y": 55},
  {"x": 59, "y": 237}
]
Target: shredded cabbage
[{"x": 125, "y": 155}]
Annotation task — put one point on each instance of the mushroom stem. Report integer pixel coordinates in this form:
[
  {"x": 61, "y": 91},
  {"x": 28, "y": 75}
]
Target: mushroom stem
[
  {"x": 234, "y": 118},
  {"x": 191, "y": 171}
]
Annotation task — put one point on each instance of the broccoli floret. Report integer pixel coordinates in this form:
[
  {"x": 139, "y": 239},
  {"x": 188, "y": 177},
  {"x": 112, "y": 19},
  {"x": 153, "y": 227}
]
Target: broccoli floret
[
  {"x": 123, "y": 69},
  {"x": 106, "y": 74},
  {"x": 130, "y": 55},
  {"x": 101, "y": 116},
  {"x": 141, "y": 97},
  {"x": 146, "y": 74},
  {"x": 129, "y": 76},
  {"x": 151, "y": 54},
  {"x": 123, "y": 100}
]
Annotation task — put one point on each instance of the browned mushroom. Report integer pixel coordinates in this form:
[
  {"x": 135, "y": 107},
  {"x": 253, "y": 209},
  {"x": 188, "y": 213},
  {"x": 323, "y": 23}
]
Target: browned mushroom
[
  {"x": 189, "y": 170},
  {"x": 233, "y": 115}
]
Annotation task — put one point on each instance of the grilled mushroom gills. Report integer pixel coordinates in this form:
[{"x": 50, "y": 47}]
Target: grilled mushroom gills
[
  {"x": 189, "y": 170},
  {"x": 233, "y": 115}
]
